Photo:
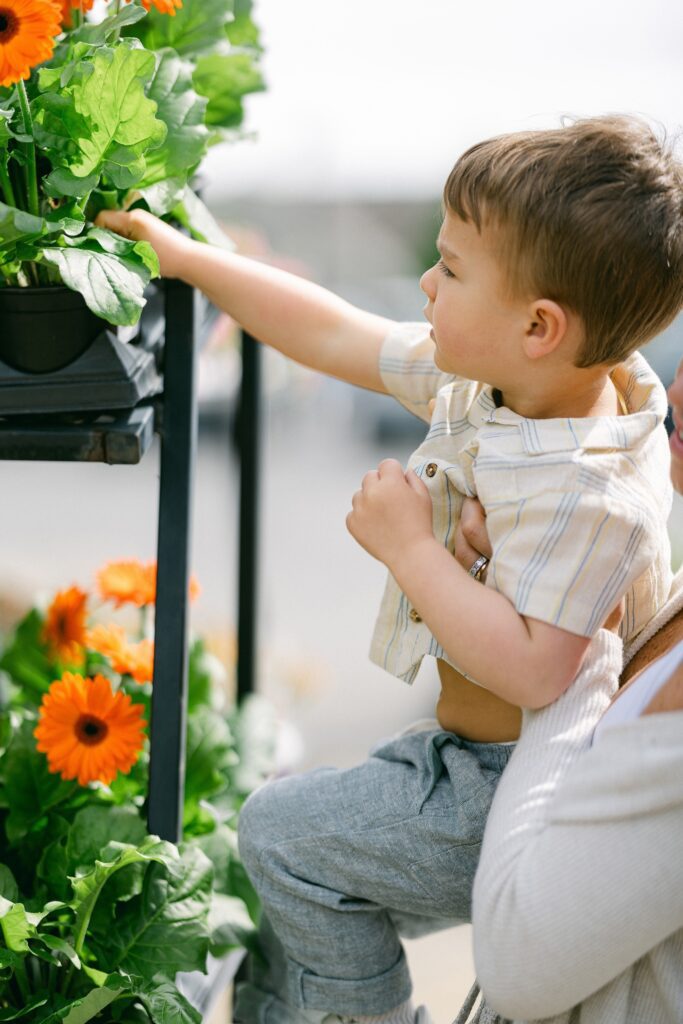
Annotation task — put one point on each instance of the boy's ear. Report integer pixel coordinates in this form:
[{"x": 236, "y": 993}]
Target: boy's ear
[{"x": 546, "y": 328}]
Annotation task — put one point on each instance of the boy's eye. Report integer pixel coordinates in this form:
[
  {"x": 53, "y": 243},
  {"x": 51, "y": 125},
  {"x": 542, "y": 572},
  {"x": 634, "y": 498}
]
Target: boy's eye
[{"x": 444, "y": 269}]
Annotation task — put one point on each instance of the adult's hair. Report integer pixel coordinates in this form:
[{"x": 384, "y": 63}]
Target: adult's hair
[{"x": 590, "y": 215}]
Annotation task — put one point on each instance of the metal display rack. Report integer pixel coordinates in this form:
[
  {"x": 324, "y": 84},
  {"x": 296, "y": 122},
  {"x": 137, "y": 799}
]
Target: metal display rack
[{"x": 172, "y": 330}]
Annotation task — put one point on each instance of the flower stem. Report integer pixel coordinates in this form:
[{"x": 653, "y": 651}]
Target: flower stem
[
  {"x": 6, "y": 185},
  {"x": 30, "y": 151},
  {"x": 22, "y": 979}
]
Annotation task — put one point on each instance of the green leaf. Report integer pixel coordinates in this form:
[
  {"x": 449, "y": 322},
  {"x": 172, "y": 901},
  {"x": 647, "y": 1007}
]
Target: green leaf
[
  {"x": 89, "y": 1006},
  {"x": 5, "y": 134},
  {"x": 109, "y": 271},
  {"x": 164, "y": 195},
  {"x": 17, "y": 225},
  {"x": 25, "y": 658},
  {"x": 102, "y": 33},
  {"x": 15, "y": 926},
  {"x": 209, "y": 754},
  {"x": 8, "y": 886},
  {"x": 196, "y": 28},
  {"x": 166, "y": 1005},
  {"x": 194, "y": 215},
  {"x": 94, "y": 827},
  {"x": 230, "y": 924},
  {"x": 26, "y": 1010},
  {"x": 224, "y": 78},
  {"x": 121, "y": 119},
  {"x": 52, "y": 943},
  {"x": 164, "y": 929},
  {"x": 30, "y": 788},
  {"x": 199, "y": 677},
  {"x": 242, "y": 31},
  {"x": 182, "y": 111}
]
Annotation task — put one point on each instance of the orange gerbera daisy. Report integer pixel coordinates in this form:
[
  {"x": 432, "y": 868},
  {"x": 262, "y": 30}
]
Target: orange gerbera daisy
[
  {"x": 125, "y": 582},
  {"x": 64, "y": 630},
  {"x": 136, "y": 660},
  {"x": 132, "y": 582},
  {"x": 27, "y": 36},
  {"x": 89, "y": 732},
  {"x": 163, "y": 6},
  {"x": 67, "y": 6}
]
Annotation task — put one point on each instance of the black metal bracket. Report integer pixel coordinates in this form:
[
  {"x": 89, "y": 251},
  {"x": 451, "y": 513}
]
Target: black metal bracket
[{"x": 178, "y": 320}]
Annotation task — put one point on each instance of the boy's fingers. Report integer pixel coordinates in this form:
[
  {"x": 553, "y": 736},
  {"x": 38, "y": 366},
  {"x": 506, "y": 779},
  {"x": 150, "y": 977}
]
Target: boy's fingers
[
  {"x": 370, "y": 477},
  {"x": 413, "y": 480},
  {"x": 387, "y": 467},
  {"x": 116, "y": 220}
]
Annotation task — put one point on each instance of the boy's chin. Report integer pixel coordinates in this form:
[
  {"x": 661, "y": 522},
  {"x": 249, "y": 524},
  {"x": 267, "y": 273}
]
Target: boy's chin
[{"x": 440, "y": 363}]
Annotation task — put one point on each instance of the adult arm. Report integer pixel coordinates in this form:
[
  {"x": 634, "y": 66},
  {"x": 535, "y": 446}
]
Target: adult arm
[{"x": 579, "y": 878}]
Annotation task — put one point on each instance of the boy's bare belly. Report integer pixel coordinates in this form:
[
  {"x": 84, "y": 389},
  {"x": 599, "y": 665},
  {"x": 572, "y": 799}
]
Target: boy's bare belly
[{"x": 473, "y": 712}]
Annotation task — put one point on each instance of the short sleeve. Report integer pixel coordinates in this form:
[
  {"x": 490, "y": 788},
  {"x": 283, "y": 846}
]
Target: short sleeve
[
  {"x": 408, "y": 369},
  {"x": 568, "y": 557}
]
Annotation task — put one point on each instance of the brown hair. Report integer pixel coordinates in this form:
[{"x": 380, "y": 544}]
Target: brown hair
[{"x": 591, "y": 216}]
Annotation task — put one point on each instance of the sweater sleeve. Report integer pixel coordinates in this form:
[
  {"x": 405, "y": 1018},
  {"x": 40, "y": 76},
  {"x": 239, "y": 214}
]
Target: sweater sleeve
[{"x": 580, "y": 876}]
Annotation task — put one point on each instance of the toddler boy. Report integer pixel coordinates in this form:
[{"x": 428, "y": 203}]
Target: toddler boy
[{"x": 561, "y": 253}]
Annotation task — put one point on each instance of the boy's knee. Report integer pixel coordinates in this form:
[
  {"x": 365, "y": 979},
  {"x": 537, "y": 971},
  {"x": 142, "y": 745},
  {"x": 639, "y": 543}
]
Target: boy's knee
[
  {"x": 252, "y": 828},
  {"x": 261, "y": 825}
]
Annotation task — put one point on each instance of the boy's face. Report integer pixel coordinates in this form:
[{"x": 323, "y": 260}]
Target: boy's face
[{"x": 476, "y": 329}]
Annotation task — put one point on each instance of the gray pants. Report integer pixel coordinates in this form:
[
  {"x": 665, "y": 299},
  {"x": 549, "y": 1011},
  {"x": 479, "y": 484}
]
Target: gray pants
[{"x": 345, "y": 861}]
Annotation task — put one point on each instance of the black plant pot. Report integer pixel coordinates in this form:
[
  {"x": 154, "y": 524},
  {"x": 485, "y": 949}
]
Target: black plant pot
[{"x": 45, "y": 329}]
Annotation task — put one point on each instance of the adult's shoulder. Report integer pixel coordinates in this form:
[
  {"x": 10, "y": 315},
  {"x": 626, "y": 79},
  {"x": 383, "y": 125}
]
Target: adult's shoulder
[{"x": 659, "y": 644}]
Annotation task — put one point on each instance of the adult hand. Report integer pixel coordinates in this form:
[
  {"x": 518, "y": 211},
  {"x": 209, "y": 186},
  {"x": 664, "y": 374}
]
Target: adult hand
[
  {"x": 391, "y": 512},
  {"x": 172, "y": 247},
  {"x": 472, "y": 540},
  {"x": 471, "y": 535}
]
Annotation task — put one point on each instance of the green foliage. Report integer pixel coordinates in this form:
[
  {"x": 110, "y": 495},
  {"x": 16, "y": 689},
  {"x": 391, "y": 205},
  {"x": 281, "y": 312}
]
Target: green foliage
[
  {"x": 122, "y": 114},
  {"x": 96, "y": 915}
]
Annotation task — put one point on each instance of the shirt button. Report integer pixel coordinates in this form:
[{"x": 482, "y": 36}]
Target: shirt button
[
  {"x": 431, "y": 469},
  {"x": 414, "y": 615}
]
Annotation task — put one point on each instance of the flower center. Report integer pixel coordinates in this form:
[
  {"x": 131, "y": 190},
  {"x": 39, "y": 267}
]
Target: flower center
[
  {"x": 9, "y": 25},
  {"x": 90, "y": 730}
]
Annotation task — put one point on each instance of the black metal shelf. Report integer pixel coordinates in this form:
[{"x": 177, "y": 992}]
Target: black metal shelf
[{"x": 163, "y": 363}]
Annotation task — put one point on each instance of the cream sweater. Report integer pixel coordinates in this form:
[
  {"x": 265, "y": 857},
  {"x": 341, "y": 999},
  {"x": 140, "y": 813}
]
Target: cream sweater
[{"x": 579, "y": 894}]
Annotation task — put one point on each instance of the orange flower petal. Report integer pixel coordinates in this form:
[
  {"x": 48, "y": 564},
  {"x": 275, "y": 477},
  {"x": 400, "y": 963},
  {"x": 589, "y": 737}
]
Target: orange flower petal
[
  {"x": 133, "y": 582},
  {"x": 64, "y": 630},
  {"x": 163, "y": 6},
  {"x": 135, "y": 660},
  {"x": 27, "y": 36},
  {"x": 87, "y": 731}
]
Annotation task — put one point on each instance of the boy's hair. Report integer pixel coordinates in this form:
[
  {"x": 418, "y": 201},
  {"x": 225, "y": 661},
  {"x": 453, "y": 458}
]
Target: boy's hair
[{"x": 591, "y": 216}]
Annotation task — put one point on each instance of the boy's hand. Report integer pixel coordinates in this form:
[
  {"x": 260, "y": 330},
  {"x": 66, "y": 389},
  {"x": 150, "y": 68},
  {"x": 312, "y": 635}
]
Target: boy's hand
[
  {"x": 172, "y": 248},
  {"x": 392, "y": 511}
]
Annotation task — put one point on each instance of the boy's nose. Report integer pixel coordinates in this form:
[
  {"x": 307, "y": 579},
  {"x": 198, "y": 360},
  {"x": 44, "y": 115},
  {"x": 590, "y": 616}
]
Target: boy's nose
[{"x": 426, "y": 283}]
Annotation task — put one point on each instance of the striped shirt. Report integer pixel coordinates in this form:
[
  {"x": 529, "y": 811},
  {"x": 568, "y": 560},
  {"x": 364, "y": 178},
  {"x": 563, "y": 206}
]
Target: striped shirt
[{"x": 576, "y": 508}]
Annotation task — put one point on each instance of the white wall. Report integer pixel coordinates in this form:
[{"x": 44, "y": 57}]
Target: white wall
[{"x": 378, "y": 97}]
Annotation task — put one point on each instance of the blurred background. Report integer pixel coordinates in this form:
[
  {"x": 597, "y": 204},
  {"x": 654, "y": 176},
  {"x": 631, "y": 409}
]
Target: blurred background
[{"x": 338, "y": 176}]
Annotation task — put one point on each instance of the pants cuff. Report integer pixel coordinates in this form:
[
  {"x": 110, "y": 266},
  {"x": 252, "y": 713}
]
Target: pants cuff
[{"x": 365, "y": 996}]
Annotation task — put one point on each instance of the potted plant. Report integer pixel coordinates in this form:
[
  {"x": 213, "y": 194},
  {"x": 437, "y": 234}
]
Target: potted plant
[
  {"x": 96, "y": 916},
  {"x": 101, "y": 109}
]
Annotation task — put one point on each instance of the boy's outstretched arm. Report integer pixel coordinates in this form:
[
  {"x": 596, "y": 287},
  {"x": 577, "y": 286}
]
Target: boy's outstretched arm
[
  {"x": 523, "y": 660},
  {"x": 304, "y": 321}
]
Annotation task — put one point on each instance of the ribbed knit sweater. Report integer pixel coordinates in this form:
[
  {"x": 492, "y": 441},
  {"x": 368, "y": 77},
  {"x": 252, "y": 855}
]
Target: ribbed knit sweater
[{"x": 578, "y": 901}]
